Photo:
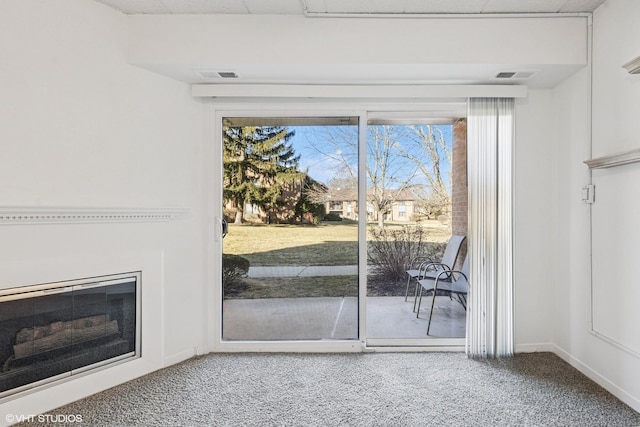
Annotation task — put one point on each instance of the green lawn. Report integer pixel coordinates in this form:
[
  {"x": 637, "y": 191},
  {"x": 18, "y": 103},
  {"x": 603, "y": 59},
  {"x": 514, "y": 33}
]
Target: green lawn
[
  {"x": 330, "y": 243},
  {"x": 293, "y": 287}
]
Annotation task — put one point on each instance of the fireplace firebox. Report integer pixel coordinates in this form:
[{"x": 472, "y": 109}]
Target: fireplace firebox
[{"x": 52, "y": 331}]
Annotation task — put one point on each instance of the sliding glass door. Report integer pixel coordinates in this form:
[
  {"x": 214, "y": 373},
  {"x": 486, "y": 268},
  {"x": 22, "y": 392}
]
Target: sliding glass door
[
  {"x": 290, "y": 257},
  {"x": 325, "y": 214},
  {"x": 410, "y": 233}
]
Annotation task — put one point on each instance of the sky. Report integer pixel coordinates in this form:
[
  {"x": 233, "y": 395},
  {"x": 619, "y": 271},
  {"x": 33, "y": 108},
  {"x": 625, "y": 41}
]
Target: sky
[{"x": 320, "y": 148}]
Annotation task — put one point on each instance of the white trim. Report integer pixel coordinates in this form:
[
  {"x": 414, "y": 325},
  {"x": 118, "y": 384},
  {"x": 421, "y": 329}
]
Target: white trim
[
  {"x": 363, "y": 123},
  {"x": 612, "y": 160},
  {"x": 416, "y": 349},
  {"x": 62, "y": 215},
  {"x": 180, "y": 357},
  {"x": 613, "y": 342},
  {"x": 405, "y": 15},
  {"x": 213, "y": 193},
  {"x": 598, "y": 378},
  {"x": 357, "y": 91},
  {"x": 418, "y": 344},
  {"x": 535, "y": 348},
  {"x": 276, "y": 346}
]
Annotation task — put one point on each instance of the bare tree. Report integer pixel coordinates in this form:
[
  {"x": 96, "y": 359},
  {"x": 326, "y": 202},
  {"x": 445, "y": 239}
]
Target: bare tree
[
  {"x": 389, "y": 174},
  {"x": 429, "y": 151}
]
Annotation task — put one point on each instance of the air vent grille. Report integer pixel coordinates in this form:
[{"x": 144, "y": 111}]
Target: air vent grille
[
  {"x": 216, "y": 74},
  {"x": 514, "y": 74}
]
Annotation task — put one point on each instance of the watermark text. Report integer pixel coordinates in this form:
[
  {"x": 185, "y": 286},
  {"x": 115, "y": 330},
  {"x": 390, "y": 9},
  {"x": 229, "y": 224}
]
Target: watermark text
[{"x": 43, "y": 418}]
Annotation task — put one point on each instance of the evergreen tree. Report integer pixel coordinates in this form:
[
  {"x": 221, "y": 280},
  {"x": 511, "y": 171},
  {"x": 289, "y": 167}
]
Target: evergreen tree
[{"x": 258, "y": 162}]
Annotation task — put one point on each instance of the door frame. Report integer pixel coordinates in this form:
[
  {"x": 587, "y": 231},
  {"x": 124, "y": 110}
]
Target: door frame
[{"x": 212, "y": 217}]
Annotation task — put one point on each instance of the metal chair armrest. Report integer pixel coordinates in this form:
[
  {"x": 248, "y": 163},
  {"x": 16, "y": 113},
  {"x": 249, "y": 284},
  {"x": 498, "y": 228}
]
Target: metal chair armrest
[
  {"x": 427, "y": 266},
  {"x": 448, "y": 272}
]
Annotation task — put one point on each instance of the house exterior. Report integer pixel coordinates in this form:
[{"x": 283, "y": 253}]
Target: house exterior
[
  {"x": 403, "y": 206},
  {"x": 107, "y": 159},
  {"x": 284, "y": 212}
]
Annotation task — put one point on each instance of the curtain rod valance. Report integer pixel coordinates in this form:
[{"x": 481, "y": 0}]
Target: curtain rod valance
[{"x": 358, "y": 91}]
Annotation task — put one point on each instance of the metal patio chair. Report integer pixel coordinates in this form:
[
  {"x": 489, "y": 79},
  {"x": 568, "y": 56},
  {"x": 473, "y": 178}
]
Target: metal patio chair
[
  {"x": 424, "y": 267},
  {"x": 452, "y": 283}
]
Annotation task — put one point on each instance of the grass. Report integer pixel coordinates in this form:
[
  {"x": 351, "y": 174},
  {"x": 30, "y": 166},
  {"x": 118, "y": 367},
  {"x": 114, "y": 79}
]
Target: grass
[
  {"x": 293, "y": 287},
  {"x": 330, "y": 243},
  {"x": 307, "y": 287}
]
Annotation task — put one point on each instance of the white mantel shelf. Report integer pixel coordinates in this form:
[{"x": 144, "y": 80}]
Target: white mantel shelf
[
  {"x": 619, "y": 159},
  {"x": 64, "y": 215}
]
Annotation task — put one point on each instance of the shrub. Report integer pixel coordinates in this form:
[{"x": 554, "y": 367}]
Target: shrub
[
  {"x": 390, "y": 250},
  {"x": 234, "y": 267},
  {"x": 332, "y": 217}
]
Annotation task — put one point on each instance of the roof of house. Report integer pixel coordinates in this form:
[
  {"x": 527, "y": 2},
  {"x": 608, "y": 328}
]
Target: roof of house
[{"x": 351, "y": 194}]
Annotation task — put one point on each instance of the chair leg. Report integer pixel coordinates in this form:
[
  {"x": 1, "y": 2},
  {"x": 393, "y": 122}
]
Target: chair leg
[
  {"x": 406, "y": 292},
  {"x": 415, "y": 295},
  {"x": 433, "y": 301},
  {"x": 462, "y": 301},
  {"x": 419, "y": 302}
]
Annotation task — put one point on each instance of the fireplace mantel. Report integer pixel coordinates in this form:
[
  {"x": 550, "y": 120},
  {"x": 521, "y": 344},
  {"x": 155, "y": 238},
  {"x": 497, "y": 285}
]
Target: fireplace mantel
[{"x": 62, "y": 215}]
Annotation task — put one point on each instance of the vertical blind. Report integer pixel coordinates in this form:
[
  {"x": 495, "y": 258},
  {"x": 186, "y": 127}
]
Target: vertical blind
[{"x": 490, "y": 136}]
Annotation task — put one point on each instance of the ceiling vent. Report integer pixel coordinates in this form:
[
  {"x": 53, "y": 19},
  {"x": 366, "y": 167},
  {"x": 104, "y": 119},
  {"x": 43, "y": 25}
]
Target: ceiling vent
[
  {"x": 228, "y": 74},
  {"x": 514, "y": 74},
  {"x": 216, "y": 74}
]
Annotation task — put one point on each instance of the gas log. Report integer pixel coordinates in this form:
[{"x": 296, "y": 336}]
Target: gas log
[{"x": 39, "y": 339}]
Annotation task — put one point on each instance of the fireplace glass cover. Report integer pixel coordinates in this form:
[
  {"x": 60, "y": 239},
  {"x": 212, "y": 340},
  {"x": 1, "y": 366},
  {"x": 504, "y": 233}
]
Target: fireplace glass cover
[{"x": 48, "y": 332}]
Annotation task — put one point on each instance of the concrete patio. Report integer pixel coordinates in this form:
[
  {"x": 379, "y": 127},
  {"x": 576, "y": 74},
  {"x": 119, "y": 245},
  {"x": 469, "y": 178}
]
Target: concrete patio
[{"x": 337, "y": 318}]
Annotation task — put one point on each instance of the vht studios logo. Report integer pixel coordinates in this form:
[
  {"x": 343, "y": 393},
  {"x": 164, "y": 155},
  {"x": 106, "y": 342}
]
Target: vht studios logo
[{"x": 44, "y": 418}]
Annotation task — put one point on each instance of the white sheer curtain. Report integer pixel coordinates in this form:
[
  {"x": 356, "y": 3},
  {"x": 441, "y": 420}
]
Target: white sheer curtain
[{"x": 490, "y": 135}]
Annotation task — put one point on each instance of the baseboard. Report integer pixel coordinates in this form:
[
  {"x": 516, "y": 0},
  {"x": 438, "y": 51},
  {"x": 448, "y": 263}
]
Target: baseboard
[
  {"x": 27, "y": 405},
  {"x": 180, "y": 357},
  {"x": 605, "y": 383},
  {"x": 535, "y": 348}
]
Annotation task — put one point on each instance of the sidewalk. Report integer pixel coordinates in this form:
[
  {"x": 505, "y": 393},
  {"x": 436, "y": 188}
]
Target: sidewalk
[{"x": 303, "y": 271}]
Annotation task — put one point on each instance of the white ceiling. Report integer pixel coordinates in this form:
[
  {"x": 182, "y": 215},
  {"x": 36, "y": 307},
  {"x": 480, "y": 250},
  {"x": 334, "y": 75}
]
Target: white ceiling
[
  {"x": 324, "y": 7},
  {"x": 543, "y": 75}
]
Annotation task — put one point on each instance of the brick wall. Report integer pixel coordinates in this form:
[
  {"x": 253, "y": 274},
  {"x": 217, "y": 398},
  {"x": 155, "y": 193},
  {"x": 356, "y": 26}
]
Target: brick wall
[{"x": 459, "y": 190}]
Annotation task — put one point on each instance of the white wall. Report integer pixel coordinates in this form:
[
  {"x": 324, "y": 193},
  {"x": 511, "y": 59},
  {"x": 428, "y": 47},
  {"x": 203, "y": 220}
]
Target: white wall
[
  {"x": 616, "y": 128},
  {"x": 615, "y": 245},
  {"x": 533, "y": 222},
  {"x": 287, "y": 39},
  {"x": 308, "y": 50},
  {"x": 81, "y": 127}
]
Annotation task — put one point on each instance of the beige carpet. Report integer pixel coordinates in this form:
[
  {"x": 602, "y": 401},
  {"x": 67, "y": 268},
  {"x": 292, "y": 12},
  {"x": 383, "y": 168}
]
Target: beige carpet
[{"x": 376, "y": 389}]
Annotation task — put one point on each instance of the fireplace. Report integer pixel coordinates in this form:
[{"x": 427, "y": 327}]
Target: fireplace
[{"x": 53, "y": 331}]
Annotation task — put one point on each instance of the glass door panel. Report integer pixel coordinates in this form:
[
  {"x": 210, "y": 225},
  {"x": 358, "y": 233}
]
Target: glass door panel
[
  {"x": 290, "y": 256},
  {"x": 35, "y": 340},
  {"x": 409, "y": 215}
]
